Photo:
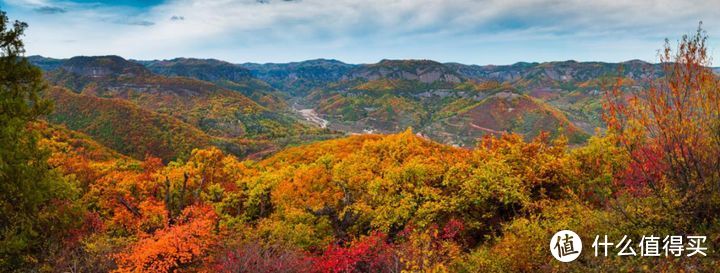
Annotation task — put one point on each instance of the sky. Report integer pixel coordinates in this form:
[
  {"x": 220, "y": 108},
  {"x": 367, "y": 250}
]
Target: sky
[{"x": 363, "y": 31}]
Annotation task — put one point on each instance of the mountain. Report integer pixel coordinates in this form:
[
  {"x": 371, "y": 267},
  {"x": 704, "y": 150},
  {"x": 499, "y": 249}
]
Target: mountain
[
  {"x": 500, "y": 113},
  {"x": 44, "y": 63},
  {"x": 224, "y": 74},
  {"x": 556, "y": 74},
  {"x": 125, "y": 127},
  {"x": 448, "y": 102},
  {"x": 392, "y": 95},
  {"x": 137, "y": 132},
  {"x": 298, "y": 78},
  {"x": 103, "y": 67},
  {"x": 215, "y": 110},
  {"x": 66, "y": 143},
  {"x": 424, "y": 71},
  {"x": 571, "y": 87},
  {"x": 127, "y": 107},
  {"x": 210, "y": 70},
  {"x": 455, "y": 114}
]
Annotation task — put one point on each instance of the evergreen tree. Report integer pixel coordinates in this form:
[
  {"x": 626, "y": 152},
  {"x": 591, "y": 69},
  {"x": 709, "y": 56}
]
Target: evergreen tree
[{"x": 28, "y": 186}]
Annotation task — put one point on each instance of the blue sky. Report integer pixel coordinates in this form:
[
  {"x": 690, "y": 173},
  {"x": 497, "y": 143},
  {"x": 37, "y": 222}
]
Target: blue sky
[{"x": 362, "y": 31}]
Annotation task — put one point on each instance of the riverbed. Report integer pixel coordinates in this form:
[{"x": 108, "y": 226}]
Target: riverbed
[{"x": 312, "y": 116}]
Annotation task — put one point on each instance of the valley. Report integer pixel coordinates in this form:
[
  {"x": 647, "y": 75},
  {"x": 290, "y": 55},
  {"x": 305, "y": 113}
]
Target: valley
[{"x": 257, "y": 108}]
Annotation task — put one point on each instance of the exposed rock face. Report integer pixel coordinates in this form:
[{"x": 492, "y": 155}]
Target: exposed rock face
[
  {"x": 506, "y": 95},
  {"x": 113, "y": 76},
  {"x": 103, "y": 66}
]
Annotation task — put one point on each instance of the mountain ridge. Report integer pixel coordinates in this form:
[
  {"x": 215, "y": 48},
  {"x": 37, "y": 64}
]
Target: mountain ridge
[{"x": 388, "y": 96}]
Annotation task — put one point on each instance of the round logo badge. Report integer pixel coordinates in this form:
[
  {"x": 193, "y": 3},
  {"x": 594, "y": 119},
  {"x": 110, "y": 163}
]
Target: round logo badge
[{"x": 565, "y": 246}]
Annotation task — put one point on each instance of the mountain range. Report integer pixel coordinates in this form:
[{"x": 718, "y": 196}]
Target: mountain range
[{"x": 166, "y": 108}]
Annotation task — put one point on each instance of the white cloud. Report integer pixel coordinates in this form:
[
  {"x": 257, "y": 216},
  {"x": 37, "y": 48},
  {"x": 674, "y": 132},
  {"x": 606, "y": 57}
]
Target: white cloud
[
  {"x": 366, "y": 30},
  {"x": 27, "y": 2}
]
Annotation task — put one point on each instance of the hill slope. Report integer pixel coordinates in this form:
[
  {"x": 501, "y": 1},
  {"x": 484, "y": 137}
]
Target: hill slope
[
  {"x": 215, "y": 110},
  {"x": 449, "y": 102},
  {"x": 500, "y": 113},
  {"x": 424, "y": 71},
  {"x": 224, "y": 74},
  {"x": 124, "y": 127}
]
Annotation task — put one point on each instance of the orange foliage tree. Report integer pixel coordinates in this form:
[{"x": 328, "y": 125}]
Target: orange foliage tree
[
  {"x": 175, "y": 248},
  {"x": 671, "y": 132}
]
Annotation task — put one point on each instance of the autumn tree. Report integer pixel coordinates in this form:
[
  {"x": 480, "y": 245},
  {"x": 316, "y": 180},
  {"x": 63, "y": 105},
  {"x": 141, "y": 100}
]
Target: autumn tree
[
  {"x": 371, "y": 253},
  {"x": 175, "y": 248},
  {"x": 27, "y": 186},
  {"x": 671, "y": 133}
]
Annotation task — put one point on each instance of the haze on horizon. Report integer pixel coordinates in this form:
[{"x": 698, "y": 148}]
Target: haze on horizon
[{"x": 355, "y": 31}]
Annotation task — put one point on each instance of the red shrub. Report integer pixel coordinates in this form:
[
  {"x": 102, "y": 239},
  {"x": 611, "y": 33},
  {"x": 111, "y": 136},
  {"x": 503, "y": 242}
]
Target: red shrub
[{"x": 369, "y": 254}]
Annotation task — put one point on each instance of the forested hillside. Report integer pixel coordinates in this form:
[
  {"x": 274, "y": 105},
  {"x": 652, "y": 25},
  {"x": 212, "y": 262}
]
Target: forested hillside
[
  {"x": 110, "y": 165},
  {"x": 430, "y": 97},
  {"x": 392, "y": 95},
  {"x": 128, "y": 107}
]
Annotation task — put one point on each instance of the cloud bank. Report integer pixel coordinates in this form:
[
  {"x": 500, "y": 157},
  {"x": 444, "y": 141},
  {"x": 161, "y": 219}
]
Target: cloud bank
[{"x": 468, "y": 31}]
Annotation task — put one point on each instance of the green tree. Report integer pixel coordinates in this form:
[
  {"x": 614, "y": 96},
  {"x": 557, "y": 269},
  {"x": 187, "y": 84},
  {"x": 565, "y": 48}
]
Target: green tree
[{"x": 30, "y": 192}]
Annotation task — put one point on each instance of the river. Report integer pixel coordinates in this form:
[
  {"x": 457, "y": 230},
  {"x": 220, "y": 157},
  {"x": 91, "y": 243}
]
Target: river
[{"x": 312, "y": 116}]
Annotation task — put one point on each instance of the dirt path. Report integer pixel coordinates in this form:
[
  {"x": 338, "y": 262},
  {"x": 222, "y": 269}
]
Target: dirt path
[{"x": 485, "y": 129}]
